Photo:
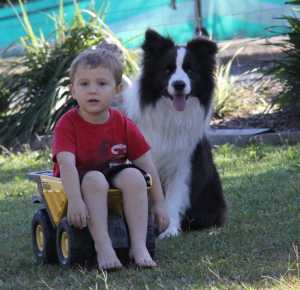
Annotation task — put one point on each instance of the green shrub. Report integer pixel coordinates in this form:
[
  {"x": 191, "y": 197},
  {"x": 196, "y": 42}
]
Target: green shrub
[
  {"x": 38, "y": 95},
  {"x": 287, "y": 69}
]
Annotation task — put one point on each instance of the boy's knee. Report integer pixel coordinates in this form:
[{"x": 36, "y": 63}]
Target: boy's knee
[
  {"x": 94, "y": 181},
  {"x": 130, "y": 178}
]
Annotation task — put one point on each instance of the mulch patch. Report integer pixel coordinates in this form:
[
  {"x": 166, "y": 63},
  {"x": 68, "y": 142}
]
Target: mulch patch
[{"x": 277, "y": 121}]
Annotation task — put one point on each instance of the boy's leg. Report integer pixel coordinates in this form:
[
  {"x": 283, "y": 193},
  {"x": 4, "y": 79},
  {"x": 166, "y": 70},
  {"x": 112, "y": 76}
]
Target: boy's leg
[
  {"x": 135, "y": 198},
  {"x": 94, "y": 189}
]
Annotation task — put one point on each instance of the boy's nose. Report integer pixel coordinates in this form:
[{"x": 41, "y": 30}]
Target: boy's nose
[{"x": 92, "y": 89}]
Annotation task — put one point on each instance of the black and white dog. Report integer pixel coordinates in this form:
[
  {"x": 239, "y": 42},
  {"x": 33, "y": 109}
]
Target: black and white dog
[{"x": 171, "y": 103}]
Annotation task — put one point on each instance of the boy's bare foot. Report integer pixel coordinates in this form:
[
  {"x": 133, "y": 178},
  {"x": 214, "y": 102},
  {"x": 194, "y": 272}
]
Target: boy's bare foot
[
  {"x": 107, "y": 259},
  {"x": 141, "y": 257}
]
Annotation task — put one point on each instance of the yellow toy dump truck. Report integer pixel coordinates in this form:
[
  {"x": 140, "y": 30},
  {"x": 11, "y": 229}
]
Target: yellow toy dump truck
[{"x": 54, "y": 240}]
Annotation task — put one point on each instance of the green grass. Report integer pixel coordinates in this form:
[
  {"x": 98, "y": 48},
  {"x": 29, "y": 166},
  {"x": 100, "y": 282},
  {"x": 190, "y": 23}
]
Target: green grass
[{"x": 257, "y": 249}]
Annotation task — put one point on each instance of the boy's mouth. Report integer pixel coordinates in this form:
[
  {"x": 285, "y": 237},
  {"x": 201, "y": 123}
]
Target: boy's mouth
[{"x": 93, "y": 101}]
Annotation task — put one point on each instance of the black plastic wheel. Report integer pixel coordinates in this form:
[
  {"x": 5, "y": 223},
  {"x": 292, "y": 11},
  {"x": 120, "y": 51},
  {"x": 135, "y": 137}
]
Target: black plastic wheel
[
  {"x": 74, "y": 246},
  {"x": 43, "y": 238}
]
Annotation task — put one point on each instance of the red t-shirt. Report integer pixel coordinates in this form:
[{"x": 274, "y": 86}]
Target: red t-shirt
[{"x": 97, "y": 146}]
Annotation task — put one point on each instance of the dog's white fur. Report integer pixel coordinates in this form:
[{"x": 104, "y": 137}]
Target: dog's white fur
[
  {"x": 180, "y": 74},
  {"x": 173, "y": 136}
]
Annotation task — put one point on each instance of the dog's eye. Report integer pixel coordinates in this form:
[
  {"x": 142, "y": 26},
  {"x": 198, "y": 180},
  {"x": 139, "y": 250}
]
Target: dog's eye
[
  {"x": 188, "y": 69},
  {"x": 167, "y": 70}
]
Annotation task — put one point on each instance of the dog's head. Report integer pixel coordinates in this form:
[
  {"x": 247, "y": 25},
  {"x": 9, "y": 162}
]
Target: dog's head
[{"x": 177, "y": 72}]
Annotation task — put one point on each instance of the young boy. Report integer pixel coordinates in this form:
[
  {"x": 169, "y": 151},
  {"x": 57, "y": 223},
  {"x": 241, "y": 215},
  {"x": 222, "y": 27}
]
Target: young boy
[{"x": 91, "y": 144}]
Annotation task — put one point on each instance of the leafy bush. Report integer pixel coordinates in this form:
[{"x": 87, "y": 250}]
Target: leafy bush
[
  {"x": 38, "y": 95},
  {"x": 287, "y": 69}
]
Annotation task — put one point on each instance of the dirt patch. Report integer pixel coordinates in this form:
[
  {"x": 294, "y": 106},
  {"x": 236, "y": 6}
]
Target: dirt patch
[{"x": 276, "y": 121}]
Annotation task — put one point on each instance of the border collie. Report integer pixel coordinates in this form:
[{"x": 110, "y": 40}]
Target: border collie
[{"x": 171, "y": 103}]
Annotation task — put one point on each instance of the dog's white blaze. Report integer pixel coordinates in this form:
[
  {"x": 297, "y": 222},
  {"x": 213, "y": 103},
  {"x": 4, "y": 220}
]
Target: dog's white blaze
[{"x": 180, "y": 74}]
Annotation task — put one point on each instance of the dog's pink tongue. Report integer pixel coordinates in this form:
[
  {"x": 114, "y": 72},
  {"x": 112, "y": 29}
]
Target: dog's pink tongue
[{"x": 179, "y": 103}]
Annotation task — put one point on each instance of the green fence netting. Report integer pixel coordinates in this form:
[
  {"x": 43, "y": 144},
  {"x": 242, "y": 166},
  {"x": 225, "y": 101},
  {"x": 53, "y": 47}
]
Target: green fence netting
[{"x": 129, "y": 19}]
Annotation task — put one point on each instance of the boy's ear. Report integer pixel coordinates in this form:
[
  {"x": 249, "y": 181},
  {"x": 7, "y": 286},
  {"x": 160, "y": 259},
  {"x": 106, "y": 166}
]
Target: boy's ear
[
  {"x": 117, "y": 98},
  {"x": 119, "y": 88}
]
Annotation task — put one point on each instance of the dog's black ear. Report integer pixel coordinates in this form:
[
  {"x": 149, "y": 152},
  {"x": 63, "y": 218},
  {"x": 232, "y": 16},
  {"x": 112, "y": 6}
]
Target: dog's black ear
[
  {"x": 203, "y": 45},
  {"x": 155, "y": 43},
  {"x": 202, "y": 32}
]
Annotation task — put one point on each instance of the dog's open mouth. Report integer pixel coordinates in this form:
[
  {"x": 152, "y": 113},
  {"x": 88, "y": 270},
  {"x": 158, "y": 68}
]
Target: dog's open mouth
[{"x": 179, "y": 102}]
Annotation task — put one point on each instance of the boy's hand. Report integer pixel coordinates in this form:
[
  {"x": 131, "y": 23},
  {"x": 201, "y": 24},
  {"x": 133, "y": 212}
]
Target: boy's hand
[
  {"x": 77, "y": 213},
  {"x": 160, "y": 216}
]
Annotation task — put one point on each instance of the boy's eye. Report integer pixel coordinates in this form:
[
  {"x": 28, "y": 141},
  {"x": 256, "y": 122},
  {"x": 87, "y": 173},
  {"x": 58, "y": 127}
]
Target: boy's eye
[
  {"x": 101, "y": 83},
  {"x": 83, "y": 84}
]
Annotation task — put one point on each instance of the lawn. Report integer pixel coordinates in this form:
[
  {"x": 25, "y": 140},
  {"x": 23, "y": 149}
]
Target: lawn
[{"x": 257, "y": 249}]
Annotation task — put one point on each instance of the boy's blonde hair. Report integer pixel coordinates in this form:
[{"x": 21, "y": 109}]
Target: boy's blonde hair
[{"x": 105, "y": 54}]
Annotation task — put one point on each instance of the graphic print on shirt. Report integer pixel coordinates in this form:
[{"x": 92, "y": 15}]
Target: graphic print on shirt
[{"x": 119, "y": 154}]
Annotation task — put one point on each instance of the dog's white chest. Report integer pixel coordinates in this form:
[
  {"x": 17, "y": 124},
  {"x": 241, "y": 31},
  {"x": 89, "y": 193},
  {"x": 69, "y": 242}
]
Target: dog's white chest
[{"x": 172, "y": 135}]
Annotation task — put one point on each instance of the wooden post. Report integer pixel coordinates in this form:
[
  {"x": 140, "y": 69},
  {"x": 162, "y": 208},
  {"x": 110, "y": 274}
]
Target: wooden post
[
  {"x": 198, "y": 18},
  {"x": 173, "y": 4}
]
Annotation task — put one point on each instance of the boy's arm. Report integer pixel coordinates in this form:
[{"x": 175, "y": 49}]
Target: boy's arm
[
  {"x": 77, "y": 210},
  {"x": 156, "y": 193}
]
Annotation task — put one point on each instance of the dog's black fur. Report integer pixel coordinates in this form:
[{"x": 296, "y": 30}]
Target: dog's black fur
[{"x": 208, "y": 208}]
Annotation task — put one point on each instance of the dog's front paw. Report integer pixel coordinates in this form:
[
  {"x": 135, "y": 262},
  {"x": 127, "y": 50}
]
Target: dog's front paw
[{"x": 169, "y": 232}]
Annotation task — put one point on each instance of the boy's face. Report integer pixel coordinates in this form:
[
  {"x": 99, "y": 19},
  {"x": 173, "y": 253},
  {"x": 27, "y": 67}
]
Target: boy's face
[{"x": 94, "y": 90}]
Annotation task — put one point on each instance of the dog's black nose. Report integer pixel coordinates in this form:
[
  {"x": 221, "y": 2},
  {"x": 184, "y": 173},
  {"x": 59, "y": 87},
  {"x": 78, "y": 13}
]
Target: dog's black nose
[{"x": 178, "y": 85}]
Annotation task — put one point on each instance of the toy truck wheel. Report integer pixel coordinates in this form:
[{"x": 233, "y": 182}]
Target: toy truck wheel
[
  {"x": 74, "y": 246},
  {"x": 43, "y": 238}
]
